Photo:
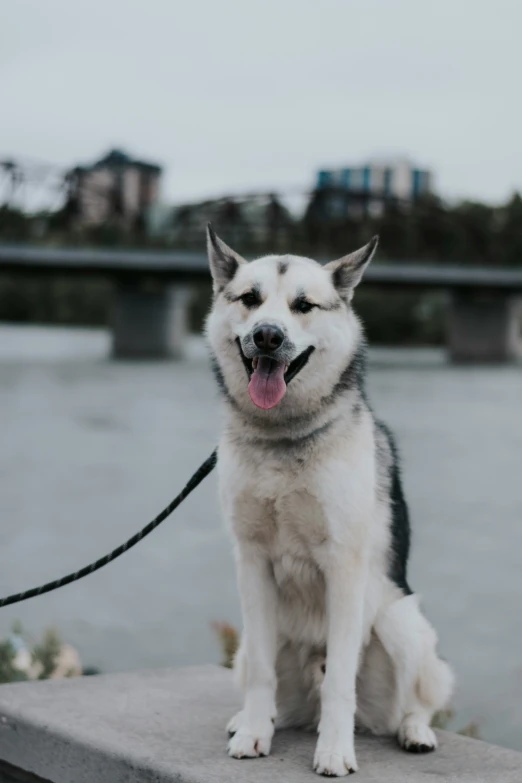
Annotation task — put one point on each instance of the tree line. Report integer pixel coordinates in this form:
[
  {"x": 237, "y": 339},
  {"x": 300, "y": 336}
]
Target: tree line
[{"x": 428, "y": 230}]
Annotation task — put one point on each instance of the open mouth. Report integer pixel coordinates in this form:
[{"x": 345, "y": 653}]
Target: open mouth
[{"x": 268, "y": 377}]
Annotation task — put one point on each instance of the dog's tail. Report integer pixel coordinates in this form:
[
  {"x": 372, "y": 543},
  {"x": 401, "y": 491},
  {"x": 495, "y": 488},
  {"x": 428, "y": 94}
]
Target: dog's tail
[{"x": 422, "y": 678}]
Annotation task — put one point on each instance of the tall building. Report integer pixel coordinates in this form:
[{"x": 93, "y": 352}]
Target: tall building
[
  {"x": 115, "y": 188},
  {"x": 399, "y": 179}
]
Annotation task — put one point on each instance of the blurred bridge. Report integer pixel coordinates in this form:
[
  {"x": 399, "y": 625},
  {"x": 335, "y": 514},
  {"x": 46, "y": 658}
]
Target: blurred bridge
[{"x": 151, "y": 294}]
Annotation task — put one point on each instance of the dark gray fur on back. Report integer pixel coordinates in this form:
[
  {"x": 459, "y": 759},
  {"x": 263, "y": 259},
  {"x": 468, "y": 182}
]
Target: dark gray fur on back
[
  {"x": 388, "y": 468},
  {"x": 390, "y": 488}
]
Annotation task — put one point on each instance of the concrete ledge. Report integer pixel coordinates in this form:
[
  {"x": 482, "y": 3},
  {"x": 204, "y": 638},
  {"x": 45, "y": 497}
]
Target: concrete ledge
[{"x": 168, "y": 727}]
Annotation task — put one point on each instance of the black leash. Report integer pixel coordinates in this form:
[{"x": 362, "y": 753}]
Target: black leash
[{"x": 201, "y": 473}]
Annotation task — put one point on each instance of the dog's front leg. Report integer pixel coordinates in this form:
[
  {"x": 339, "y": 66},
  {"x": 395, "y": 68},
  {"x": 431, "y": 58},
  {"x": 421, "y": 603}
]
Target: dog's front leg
[
  {"x": 345, "y": 582},
  {"x": 255, "y": 729}
]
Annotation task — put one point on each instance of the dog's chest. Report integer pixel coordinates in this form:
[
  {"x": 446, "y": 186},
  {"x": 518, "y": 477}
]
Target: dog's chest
[{"x": 291, "y": 528}]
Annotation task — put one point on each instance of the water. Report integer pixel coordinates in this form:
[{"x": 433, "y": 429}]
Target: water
[{"x": 91, "y": 450}]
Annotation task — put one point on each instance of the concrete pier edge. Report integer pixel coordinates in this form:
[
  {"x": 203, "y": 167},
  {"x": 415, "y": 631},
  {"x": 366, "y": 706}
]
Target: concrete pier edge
[{"x": 168, "y": 725}]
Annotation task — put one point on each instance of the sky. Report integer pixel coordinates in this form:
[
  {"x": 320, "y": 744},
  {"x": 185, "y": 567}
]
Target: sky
[{"x": 233, "y": 96}]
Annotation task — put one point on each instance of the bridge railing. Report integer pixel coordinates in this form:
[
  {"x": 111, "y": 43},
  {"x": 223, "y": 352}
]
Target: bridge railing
[{"x": 483, "y": 323}]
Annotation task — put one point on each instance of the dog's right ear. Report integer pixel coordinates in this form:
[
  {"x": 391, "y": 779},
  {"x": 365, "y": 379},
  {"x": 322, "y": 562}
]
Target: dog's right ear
[{"x": 224, "y": 262}]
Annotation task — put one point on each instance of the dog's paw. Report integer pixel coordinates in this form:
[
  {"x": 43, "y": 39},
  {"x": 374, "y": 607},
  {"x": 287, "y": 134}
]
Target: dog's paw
[
  {"x": 416, "y": 737},
  {"x": 334, "y": 762},
  {"x": 235, "y": 723},
  {"x": 248, "y": 743}
]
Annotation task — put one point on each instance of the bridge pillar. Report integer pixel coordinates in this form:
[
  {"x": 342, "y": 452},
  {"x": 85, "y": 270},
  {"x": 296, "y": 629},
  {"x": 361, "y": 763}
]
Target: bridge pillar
[
  {"x": 484, "y": 327},
  {"x": 149, "y": 322}
]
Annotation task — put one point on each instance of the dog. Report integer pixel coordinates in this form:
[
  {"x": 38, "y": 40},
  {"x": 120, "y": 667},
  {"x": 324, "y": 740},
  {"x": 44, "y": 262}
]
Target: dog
[{"x": 310, "y": 487}]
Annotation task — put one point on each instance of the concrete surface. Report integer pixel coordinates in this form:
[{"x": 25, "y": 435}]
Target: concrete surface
[{"x": 167, "y": 726}]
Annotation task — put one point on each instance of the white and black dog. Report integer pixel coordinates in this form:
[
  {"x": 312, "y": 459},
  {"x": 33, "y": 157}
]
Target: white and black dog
[{"x": 310, "y": 487}]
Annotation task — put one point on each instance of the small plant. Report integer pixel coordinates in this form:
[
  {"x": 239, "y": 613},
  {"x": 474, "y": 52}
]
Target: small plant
[
  {"x": 471, "y": 730},
  {"x": 8, "y": 670},
  {"x": 443, "y": 718},
  {"x": 45, "y": 655},
  {"x": 24, "y": 658},
  {"x": 229, "y": 641}
]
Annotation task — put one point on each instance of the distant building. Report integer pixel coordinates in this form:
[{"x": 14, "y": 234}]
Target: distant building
[
  {"x": 399, "y": 179},
  {"x": 117, "y": 188},
  {"x": 360, "y": 190}
]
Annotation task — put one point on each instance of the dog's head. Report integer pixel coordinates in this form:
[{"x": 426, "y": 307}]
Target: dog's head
[{"x": 281, "y": 327}]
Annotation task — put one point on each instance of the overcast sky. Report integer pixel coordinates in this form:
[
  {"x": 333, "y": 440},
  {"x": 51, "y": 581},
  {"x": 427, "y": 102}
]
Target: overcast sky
[{"x": 231, "y": 95}]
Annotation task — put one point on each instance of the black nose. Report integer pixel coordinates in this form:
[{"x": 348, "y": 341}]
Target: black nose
[{"x": 268, "y": 337}]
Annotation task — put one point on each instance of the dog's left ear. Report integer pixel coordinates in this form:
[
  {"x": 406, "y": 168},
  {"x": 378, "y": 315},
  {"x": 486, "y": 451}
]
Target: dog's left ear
[
  {"x": 347, "y": 271},
  {"x": 224, "y": 262}
]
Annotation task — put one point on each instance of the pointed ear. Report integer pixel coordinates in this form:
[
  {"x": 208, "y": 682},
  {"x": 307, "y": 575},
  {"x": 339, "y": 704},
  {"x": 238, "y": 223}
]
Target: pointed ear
[
  {"x": 224, "y": 262},
  {"x": 347, "y": 271}
]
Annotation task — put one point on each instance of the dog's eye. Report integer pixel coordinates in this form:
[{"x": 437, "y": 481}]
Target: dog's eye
[
  {"x": 302, "y": 306},
  {"x": 251, "y": 299}
]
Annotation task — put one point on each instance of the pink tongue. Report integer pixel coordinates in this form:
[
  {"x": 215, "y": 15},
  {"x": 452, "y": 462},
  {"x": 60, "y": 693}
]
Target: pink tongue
[{"x": 267, "y": 385}]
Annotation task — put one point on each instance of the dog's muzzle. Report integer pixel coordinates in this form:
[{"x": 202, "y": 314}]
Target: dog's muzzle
[{"x": 269, "y": 370}]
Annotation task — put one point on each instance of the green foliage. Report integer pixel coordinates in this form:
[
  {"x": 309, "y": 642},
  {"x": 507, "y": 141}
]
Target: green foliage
[
  {"x": 229, "y": 641},
  {"x": 8, "y": 671},
  {"x": 427, "y": 231},
  {"x": 46, "y": 653},
  {"x": 443, "y": 719},
  {"x": 405, "y": 318},
  {"x": 14, "y": 225},
  {"x": 60, "y": 300},
  {"x": 17, "y": 628}
]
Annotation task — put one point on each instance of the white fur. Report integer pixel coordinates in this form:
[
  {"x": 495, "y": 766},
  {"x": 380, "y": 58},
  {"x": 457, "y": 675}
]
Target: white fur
[{"x": 303, "y": 493}]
